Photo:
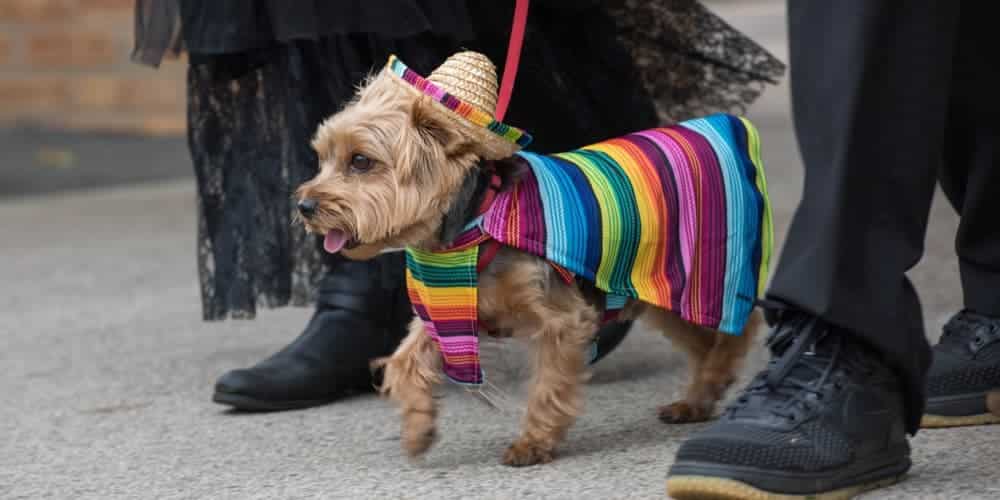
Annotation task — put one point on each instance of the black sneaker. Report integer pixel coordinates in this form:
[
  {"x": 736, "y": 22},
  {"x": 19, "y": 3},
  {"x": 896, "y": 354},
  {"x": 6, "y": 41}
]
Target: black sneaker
[
  {"x": 966, "y": 366},
  {"x": 824, "y": 420}
]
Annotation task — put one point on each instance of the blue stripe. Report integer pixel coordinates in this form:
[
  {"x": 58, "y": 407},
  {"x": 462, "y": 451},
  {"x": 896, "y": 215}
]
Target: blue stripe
[
  {"x": 587, "y": 242},
  {"x": 602, "y": 165},
  {"x": 755, "y": 209},
  {"x": 558, "y": 209},
  {"x": 740, "y": 219},
  {"x": 570, "y": 239},
  {"x": 613, "y": 302}
]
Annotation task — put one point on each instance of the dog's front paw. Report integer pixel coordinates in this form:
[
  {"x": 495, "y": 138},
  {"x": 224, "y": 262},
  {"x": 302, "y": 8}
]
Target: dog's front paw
[
  {"x": 419, "y": 435},
  {"x": 523, "y": 453},
  {"x": 682, "y": 412}
]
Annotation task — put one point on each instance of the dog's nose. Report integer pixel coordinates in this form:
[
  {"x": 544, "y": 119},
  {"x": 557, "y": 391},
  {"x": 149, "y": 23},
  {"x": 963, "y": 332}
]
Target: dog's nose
[{"x": 307, "y": 207}]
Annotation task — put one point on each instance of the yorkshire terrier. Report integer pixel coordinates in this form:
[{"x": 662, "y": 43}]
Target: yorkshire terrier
[{"x": 396, "y": 170}]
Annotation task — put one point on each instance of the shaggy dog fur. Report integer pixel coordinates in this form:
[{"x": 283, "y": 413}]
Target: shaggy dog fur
[{"x": 390, "y": 172}]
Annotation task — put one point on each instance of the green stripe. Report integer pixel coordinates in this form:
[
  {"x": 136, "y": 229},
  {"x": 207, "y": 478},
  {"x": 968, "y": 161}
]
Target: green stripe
[
  {"x": 447, "y": 269},
  {"x": 767, "y": 226},
  {"x": 616, "y": 201},
  {"x": 449, "y": 258},
  {"x": 610, "y": 217}
]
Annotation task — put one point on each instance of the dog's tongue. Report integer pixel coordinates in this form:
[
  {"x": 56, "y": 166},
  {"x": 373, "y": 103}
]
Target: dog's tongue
[{"x": 334, "y": 241}]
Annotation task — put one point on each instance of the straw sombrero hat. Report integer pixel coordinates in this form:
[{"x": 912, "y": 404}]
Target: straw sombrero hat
[{"x": 464, "y": 88}]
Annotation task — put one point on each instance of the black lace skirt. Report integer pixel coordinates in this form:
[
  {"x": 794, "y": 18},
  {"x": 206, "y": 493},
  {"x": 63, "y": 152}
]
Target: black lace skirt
[{"x": 590, "y": 70}]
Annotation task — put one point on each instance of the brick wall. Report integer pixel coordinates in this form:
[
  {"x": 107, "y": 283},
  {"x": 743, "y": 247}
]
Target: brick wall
[{"x": 65, "y": 64}]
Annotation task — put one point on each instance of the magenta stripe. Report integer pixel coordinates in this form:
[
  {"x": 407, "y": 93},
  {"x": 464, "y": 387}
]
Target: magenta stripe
[
  {"x": 492, "y": 223},
  {"x": 686, "y": 203},
  {"x": 674, "y": 263},
  {"x": 467, "y": 237},
  {"x": 434, "y": 91},
  {"x": 448, "y": 327},
  {"x": 712, "y": 228},
  {"x": 531, "y": 218}
]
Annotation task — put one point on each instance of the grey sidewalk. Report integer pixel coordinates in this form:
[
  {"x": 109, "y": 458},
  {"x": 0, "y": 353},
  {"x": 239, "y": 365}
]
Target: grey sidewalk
[{"x": 107, "y": 370}]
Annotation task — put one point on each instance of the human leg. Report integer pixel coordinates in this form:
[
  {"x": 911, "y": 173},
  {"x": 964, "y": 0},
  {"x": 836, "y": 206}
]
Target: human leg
[
  {"x": 829, "y": 415},
  {"x": 967, "y": 358}
]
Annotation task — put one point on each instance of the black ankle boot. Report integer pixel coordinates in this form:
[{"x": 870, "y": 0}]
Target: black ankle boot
[{"x": 362, "y": 313}]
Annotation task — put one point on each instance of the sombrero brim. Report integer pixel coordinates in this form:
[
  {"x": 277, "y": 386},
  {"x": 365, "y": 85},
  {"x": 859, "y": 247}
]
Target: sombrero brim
[{"x": 498, "y": 140}]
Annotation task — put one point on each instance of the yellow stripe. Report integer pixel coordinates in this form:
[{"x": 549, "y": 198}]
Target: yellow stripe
[
  {"x": 767, "y": 225},
  {"x": 646, "y": 201}
]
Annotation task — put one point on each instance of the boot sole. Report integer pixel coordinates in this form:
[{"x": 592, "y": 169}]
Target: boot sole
[
  {"x": 259, "y": 405},
  {"x": 941, "y": 421},
  {"x": 716, "y": 488},
  {"x": 704, "y": 481}
]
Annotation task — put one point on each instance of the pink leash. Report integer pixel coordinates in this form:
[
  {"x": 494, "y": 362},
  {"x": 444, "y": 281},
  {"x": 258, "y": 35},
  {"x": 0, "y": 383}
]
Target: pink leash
[{"x": 513, "y": 57}]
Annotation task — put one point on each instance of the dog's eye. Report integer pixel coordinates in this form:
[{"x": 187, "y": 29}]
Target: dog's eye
[{"x": 361, "y": 163}]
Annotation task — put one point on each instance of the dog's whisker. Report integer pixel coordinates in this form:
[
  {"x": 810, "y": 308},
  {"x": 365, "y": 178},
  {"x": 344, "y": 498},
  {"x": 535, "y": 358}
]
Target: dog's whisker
[
  {"x": 496, "y": 398},
  {"x": 510, "y": 402}
]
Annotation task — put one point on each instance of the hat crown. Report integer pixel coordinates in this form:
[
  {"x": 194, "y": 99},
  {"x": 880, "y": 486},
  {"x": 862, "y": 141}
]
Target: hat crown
[{"x": 471, "y": 77}]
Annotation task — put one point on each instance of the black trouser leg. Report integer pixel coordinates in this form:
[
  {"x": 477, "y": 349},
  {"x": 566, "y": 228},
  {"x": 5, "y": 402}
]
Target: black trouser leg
[
  {"x": 970, "y": 174},
  {"x": 870, "y": 85}
]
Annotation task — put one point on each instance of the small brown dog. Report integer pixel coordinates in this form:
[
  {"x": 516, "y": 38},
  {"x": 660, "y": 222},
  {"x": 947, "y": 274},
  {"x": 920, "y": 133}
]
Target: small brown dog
[{"x": 395, "y": 164}]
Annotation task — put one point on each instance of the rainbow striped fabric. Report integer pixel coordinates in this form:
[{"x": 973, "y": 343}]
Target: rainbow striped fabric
[
  {"x": 677, "y": 217},
  {"x": 442, "y": 289}
]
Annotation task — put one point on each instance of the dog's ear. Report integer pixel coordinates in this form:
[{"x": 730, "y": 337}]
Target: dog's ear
[{"x": 433, "y": 127}]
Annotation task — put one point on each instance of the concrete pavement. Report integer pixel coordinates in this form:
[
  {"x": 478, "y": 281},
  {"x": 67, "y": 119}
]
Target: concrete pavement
[{"x": 107, "y": 370}]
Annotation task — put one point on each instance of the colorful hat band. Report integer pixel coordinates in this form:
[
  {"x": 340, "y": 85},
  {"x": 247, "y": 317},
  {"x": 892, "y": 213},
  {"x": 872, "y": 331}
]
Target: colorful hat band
[{"x": 471, "y": 113}]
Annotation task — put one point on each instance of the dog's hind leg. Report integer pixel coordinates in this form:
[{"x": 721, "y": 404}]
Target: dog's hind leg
[
  {"x": 714, "y": 357},
  {"x": 410, "y": 376}
]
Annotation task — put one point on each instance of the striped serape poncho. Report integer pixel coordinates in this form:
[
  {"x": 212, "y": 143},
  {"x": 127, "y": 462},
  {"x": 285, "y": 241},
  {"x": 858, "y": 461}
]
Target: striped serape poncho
[{"x": 677, "y": 217}]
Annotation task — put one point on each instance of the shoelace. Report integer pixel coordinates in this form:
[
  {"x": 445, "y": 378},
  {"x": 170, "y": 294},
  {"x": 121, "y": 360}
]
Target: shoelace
[
  {"x": 958, "y": 329},
  {"x": 799, "y": 375},
  {"x": 965, "y": 327}
]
